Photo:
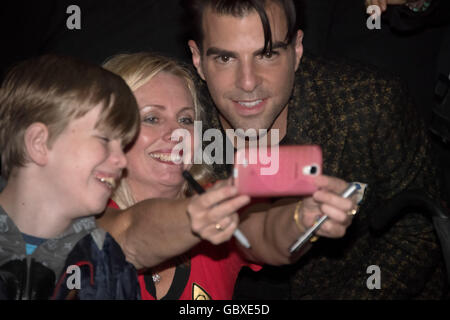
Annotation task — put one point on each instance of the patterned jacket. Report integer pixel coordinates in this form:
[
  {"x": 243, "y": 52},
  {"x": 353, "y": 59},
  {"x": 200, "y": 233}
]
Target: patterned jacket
[
  {"x": 82, "y": 263},
  {"x": 369, "y": 132}
]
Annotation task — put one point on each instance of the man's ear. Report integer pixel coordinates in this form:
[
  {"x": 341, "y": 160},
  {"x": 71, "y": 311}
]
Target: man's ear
[
  {"x": 196, "y": 57},
  {"x": 36, "y": 139},
  {"x": 298, "y": 48}
]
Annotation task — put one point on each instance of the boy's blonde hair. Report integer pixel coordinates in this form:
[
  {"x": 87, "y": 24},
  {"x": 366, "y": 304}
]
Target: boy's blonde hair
[
  {"x": 55, "y": 90},
  {"x": 137, "y": 69}
]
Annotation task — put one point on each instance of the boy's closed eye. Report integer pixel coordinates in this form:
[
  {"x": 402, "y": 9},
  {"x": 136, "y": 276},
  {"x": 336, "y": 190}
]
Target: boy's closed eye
[{"x": 103, "y": 138}]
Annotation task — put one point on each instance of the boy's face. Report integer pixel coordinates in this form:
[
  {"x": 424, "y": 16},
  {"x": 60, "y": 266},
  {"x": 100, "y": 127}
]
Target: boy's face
[
  {"x": 249, "y": 89},
  {"x": 84, "y": 164}
]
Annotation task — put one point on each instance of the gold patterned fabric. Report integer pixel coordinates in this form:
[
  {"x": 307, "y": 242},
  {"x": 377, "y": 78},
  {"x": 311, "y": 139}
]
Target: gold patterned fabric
[{"x": 370, "y": 132}]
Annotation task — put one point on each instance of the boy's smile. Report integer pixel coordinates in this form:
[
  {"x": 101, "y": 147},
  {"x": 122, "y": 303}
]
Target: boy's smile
[{"x": 86, "y": 164}]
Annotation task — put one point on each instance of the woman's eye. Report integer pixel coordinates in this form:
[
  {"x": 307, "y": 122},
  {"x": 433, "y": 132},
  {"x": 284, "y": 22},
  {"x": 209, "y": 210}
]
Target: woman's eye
[
  {"x": 150, "y": 119},
  {"x": 186, "y": 121}
]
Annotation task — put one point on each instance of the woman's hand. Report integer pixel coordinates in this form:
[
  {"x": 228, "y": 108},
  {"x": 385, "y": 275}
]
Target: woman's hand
[{"x": 213, "y": 214}]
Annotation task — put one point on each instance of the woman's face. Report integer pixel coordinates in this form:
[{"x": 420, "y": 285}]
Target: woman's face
[{"x": 165, "y": 104}]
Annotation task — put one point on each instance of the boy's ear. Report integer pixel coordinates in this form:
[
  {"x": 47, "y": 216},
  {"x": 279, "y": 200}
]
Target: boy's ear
[
  {"x": 196, "y": 57},
  {"x": 36, "y": 138}
]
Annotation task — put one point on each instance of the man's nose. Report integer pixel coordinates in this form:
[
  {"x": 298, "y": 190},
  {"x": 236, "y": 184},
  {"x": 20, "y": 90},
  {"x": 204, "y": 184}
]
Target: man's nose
[{"x": 248, "y": 76}]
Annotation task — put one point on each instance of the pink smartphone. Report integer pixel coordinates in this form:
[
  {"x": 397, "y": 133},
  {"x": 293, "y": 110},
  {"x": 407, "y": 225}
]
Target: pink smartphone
[{"x": 288, "y": 171}]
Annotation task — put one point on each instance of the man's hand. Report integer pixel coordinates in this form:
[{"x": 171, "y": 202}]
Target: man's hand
[
  {"x": 327, "y": 201},
  {"x": 213, "y": 214},
  {"x": 272, "y": 229}
]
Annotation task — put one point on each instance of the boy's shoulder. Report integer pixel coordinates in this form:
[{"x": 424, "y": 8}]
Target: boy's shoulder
[
  {"x": 96, "y": 268},
  {"x": 84, "y": 256},
  {"x": 32, "y": 275}
]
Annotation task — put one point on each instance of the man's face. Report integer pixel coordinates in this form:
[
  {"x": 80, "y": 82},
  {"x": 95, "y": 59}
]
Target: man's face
[{"x": 250, "y": 89}]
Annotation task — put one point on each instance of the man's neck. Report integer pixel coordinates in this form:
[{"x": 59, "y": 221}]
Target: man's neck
[{"x": 32, "y": 209}]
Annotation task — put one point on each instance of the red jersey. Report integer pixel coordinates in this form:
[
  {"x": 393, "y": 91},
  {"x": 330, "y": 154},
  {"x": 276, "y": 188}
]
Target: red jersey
[{"x": 212, "y": 273}]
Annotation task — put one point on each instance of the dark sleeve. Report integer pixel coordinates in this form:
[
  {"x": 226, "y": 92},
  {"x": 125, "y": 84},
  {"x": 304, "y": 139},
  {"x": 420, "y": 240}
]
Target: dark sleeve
[
  {"x": 408, "y": 252},
  {"x": 400, "y": 146}
]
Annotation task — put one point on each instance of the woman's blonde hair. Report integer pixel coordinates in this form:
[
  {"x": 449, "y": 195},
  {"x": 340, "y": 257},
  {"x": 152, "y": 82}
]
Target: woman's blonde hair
[{"x": 137, "y": 69}]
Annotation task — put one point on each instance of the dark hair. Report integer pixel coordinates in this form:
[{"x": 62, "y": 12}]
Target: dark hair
[
  {"x": 238, "y": 8},
  {"x": 54, "y": 90}
]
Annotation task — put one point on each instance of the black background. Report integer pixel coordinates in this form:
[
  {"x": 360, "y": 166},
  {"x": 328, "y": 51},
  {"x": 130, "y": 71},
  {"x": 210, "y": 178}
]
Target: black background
[{"x": 333, "y": 28}]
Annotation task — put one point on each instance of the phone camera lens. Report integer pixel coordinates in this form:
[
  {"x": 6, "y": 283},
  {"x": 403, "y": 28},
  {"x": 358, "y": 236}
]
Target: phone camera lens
[{"x": 311, "y": 170}]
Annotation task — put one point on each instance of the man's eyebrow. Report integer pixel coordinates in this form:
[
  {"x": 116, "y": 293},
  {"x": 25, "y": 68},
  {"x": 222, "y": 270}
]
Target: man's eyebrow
[
  {"x": 275, "y": 46},
  {"x": 214, "y": 51}
]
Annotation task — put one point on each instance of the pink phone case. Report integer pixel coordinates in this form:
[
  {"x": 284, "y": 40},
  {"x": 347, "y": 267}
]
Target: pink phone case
[{"x": 297, "y": 166}]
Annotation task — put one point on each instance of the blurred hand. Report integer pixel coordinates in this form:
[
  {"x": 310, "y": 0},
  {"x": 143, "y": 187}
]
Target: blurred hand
[
  {"x": 384, "y": 3},
  {"x": 213, "y": 214},
  {"x": 327, "y": 201}
]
